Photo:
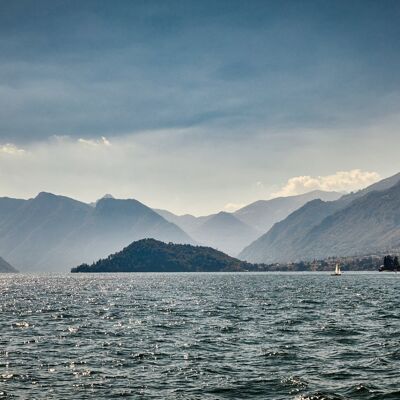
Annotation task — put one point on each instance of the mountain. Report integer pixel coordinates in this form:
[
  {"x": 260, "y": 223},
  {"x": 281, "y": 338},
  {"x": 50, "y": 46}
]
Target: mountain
[
  {"x": 187, "y": 222},
  {"x": 260, "y": 215},
  {"x": 222, "y": 231},
  {"x": 53, "y": 232},
  {"x": 113, "y": 224},
  {"x": 369, "y": 224},
  {"x": 281, "y": 243},
  {"x": 225, "y": 232},
  {"x": 231, "y": 232},
  {"x": 8, "y": 207},
  {"x": 378, "y": 186},
  {"x": 361, "y": 222},
  {"x": 263, "y": 214},
  {"x": 29, "y": 236},
  {"x": 149, "y": 255},
  {"x": 106, "y": 196},
  {"x": 5, "y": 267}
]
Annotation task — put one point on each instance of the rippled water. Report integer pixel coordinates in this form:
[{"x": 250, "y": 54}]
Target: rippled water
[{"x": 200, "y": 336}]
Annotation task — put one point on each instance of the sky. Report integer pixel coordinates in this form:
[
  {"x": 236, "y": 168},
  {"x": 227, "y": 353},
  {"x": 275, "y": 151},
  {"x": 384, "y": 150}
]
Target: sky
[{"x": 197, "y": 106}]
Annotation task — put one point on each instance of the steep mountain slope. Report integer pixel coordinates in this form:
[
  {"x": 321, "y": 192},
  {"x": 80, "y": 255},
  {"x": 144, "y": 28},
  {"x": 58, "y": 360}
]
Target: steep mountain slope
[
  {"x": 304, "y": 232},
  {"x": 5, "y": 267},
  {"x": 281, "y": 242},
  {"x": 187, "y": 222},
  {"x": 38, "y": 227},
  {"x": 53, "y": 232},
  {"x": 231, "y": 232},
  {"x": 260, "y": 215},
  {"x": 263, "y": 214},
  {"x": 114, "y": 224},
  {"x": 149, "y": 255},
  {"x": 369, "y": 224},
  {"x": 381, "y": 185},
  {"x": 225, "y": 232},
  {"x": 8, "y": 207}
]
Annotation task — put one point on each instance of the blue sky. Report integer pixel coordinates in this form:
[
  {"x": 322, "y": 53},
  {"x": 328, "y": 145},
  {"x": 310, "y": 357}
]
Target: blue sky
[{"x": 238, "y": 85}]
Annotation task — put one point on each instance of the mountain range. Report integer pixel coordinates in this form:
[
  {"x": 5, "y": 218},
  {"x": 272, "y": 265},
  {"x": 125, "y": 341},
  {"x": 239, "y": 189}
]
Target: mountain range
[
  {"x": 263, "y": 214},
  {"x": 359, "y": 223},
  {"x": 231, "y": 232},
  {"x": 53, "y": 233}
]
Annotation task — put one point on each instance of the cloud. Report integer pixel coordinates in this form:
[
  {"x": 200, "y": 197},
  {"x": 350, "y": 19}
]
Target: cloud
[
  {"x": 11, "y": 149},
  {"x": 340, "y": 181},
  {"x": 203, "y": 66},
  {"x": 179, "y": 171},
  {"x": 103, "y": 141}
]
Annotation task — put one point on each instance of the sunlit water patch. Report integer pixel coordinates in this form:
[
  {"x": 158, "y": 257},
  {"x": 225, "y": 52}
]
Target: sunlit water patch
[{"x": 200, "y": 336}]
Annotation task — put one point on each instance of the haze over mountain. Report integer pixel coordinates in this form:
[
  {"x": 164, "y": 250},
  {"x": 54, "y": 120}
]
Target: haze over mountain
[
  {"x": 225, "y": 232},
  {"x": 189, "y": 223},
  {"x": 262, "y": 214},
  {"x": 8, "y": 206},
  {"x": 231, "y": 232},
  {"x": 358, "y": 223},
  {"x": 5, "y": 267},
  {"x": 54, "y": 233}
]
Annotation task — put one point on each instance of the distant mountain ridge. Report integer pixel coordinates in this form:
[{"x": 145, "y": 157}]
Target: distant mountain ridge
[
  {"x": 231, "y": 232},
  {"x": 9, "y": 206},
  {"x": 357, "y": 223},
  {"x": 263, "y": 214},
  {"x": 189, "y": 223},
  {"x": 53, "y": 232},
  {"x": 225, "y": 232}
]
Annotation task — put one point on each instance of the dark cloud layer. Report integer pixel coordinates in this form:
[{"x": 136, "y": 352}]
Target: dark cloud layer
[{"x": 91, "y": 68}]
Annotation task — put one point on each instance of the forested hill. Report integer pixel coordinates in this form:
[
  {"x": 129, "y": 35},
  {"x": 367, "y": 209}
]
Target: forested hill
[{"x": 150, "y": 255}]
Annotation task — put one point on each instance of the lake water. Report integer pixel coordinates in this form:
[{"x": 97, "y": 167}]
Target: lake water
[{"x": 200, "y": 336}]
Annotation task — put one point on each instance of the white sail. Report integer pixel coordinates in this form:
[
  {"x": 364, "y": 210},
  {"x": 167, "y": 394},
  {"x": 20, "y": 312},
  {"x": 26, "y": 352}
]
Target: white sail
[{"x": 337, "y": 270}]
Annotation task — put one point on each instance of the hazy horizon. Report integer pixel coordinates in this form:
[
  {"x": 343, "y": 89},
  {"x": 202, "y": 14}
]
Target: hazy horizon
[{"x": 231, "y": 207}]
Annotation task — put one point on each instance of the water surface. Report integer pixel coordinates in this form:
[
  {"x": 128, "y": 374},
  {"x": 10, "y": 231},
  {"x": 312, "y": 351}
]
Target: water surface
[{"x": 200, "y": 336}]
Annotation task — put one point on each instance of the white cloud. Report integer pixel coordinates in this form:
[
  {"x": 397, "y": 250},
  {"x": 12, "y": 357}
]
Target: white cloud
[
  {"x": 340, "y": 181},
  {"x": 11, "y": 149},
  {"x": 180, "y": 171},
  {"x": 103, "y": 141},
  {"x": 231, "y": 207}
]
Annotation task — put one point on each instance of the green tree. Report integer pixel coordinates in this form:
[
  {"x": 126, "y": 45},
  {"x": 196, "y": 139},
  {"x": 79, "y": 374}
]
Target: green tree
[
  {"x": 388, "y": 263},
  {"x": 396, "y": 265}
]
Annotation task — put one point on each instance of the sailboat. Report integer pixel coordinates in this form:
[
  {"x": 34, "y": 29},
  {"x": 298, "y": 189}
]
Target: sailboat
[{"x": 337, "y": 272}]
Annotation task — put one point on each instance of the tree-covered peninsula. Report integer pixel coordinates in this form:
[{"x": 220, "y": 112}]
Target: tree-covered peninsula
[
  {"x": 150, "y": 255},
  {"x": 390, "y": 263}
]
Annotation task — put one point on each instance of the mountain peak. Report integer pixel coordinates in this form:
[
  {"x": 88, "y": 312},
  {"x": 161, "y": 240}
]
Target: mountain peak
[
  {"x": 108, "y": 196},
  {"x": 45, "y": 195},
  {"x": 120, "y": 204}
]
